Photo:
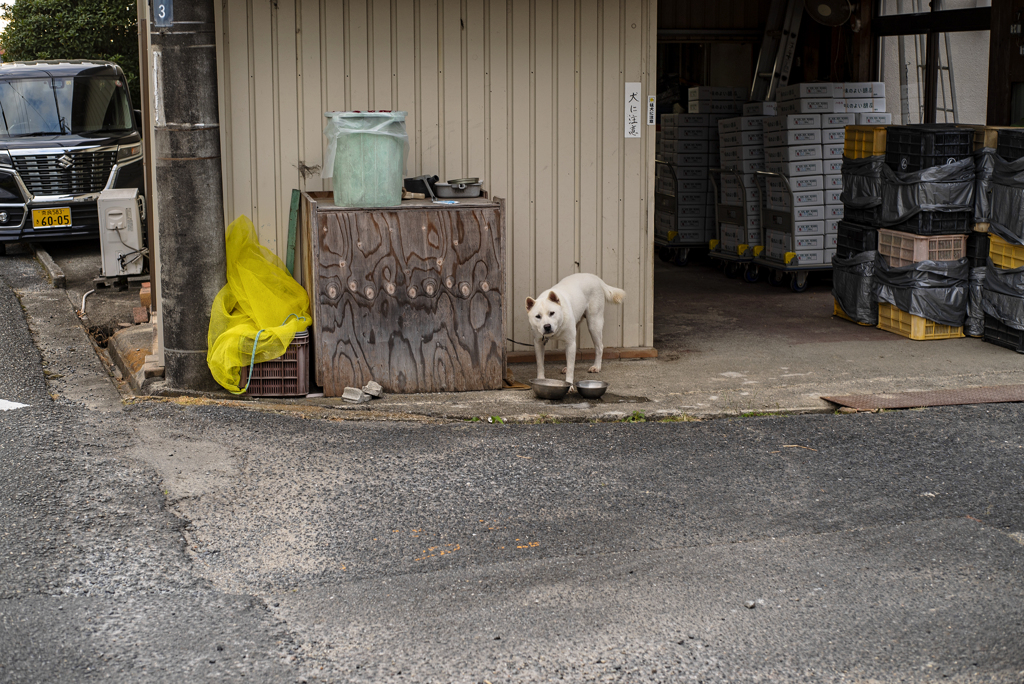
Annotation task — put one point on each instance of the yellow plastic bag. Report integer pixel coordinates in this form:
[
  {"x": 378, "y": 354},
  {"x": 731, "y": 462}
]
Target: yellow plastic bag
[{"x": 256, "y": 315}]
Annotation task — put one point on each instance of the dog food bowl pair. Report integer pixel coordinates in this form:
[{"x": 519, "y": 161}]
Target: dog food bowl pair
[{"x": 557, "y": 389}]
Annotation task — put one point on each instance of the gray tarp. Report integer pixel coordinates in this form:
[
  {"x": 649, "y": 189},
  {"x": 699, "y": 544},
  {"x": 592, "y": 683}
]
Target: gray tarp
[
  {"x": 938, "y": 188},
  {"x": 936, "y": 290},
  {"x": 984, "y": 163},
  {"x": 853, "y": 286},
  {"x": 1006, "y": 216},
  {"x": 862, "y": 182},
  {"x": 974, "y": 325},
  {"x": 1003, "y": 295}
]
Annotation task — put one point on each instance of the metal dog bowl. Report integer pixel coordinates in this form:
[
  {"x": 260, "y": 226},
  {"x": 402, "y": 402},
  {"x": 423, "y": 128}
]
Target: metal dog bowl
[
  {"x": 591, "y": 389},
  {"x": 550, "y": 389}
]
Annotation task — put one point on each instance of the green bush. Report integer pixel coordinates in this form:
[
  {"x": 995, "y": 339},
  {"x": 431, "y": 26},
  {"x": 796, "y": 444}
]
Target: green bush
[{"x": 75, "y": 29}]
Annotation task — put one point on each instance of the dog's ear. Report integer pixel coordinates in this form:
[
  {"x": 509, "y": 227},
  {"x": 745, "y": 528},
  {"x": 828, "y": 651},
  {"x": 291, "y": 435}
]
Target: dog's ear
[
  {"x": 530, "y": 301},
  {"x": 553, "y": 297}
]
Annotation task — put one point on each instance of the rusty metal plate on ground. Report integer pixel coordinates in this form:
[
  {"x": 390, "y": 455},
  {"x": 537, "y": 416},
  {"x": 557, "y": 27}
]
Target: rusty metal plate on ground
[{"x": 997, "y": 394}]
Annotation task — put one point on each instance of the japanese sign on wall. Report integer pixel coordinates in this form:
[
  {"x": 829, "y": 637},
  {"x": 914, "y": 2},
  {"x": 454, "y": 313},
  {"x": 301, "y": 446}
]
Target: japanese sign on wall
[
  {"x": 651, "y": 110},
  {"x": 634, "y": 110}
]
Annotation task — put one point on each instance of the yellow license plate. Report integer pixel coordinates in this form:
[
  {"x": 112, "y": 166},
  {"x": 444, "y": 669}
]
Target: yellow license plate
[{"x": 56, "y": 217}]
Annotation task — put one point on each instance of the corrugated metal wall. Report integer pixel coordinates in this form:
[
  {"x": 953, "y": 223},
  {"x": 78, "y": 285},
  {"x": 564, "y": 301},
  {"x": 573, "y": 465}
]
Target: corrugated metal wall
[{"x": 526, "y": 94}]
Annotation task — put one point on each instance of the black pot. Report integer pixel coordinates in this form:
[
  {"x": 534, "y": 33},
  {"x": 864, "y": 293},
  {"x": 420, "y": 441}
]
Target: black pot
[{"x": 417, "y": 185}]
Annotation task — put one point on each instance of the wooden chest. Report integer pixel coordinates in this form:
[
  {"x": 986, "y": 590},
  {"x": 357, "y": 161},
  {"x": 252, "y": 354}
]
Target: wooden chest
[{"x": 410, "y": 296}]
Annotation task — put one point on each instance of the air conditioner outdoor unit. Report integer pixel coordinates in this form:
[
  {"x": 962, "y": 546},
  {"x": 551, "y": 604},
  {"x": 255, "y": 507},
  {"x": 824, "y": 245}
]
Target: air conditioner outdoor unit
[{"x": 121, "y": 232}]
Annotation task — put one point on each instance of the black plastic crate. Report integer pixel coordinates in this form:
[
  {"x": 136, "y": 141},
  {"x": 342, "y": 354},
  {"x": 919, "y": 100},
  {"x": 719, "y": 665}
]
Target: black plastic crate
[
  {"x": 912, "y": 148},
  {"x": 864, "y": 217},
  {"x": 1010, "y": 144},
  {"x": 977, "y": 249},
  {"x": 1003, "y": 335},
  {"x": 853, "y": 239},
  {"x": 937, "y": 223}
]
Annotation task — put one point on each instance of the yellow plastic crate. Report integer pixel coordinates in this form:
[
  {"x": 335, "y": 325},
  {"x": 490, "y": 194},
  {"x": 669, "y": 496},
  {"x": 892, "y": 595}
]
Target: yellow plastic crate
[
  {"x": 1003, "y": 254},
  {"x": 984, "y": 136},
  {"x": 864, "y": 141},
  {"x": 902, "y": 323},
  {"x": 838, "y": 311}
]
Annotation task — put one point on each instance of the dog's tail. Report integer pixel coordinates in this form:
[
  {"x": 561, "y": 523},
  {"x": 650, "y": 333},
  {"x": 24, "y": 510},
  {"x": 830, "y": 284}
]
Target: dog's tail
[{"x": 613, "y": 294}]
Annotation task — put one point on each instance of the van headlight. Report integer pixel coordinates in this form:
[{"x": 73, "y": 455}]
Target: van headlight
[{"x": 125, "y": 152}]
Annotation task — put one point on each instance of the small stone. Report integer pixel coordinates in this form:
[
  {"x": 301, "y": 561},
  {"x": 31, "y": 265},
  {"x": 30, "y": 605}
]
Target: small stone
[
  {"x": 374, "y": 389},
  {"x": 750, "y": 604},
  {"x": 354, "y": 395}
]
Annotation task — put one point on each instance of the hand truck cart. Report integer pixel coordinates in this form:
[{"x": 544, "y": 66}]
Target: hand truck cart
[
  {"x": 676, "y": 234},
  {"x": 735, "y": 252},
  {"x": 786, "y": 261}
]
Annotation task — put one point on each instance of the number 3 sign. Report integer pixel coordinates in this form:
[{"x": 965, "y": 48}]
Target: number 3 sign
[{"x": 163, "y": 13}]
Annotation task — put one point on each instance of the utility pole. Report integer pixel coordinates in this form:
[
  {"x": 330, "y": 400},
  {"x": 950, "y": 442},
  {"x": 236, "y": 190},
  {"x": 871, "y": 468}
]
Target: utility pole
[{"x": 189, "y": 199}]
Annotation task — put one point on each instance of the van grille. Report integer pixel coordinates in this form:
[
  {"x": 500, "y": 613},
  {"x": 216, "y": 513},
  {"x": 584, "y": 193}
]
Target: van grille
[{"x": 42, "y": 174}]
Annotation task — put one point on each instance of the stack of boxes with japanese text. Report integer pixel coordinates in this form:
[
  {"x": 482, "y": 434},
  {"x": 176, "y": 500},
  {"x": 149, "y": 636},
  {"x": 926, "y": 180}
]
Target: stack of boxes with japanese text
[
  {"x": 803, "y": 143},
  {"x": 688, "y": 146}
]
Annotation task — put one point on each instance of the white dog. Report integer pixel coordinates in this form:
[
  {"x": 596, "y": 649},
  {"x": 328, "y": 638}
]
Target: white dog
[{"x": 556, "y": 313}]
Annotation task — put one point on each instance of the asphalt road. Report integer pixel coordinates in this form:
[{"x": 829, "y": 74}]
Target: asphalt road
[{"x": 183, "y": 541}]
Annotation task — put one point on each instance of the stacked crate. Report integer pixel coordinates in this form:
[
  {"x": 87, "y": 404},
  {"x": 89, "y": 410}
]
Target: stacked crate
[
  {"x": 1003, "y": 311},
  {"x": 927, "y": 235},
  {"x": 742, "y": 148},
  {"x": 686, "y": 144},
  {"x": 857, "y": 232}
]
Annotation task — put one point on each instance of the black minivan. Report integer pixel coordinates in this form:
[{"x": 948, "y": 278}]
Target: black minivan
[{"x": 67, "y": 131}]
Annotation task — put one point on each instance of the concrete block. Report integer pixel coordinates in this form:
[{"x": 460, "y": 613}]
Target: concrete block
[
  {"x": 354, "y": 395},
  {"x": 374, "y": 389},
  {"x": 140, "y": 314}
]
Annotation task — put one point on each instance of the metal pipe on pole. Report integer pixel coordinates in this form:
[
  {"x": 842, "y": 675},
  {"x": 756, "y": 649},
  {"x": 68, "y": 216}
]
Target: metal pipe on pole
[{"x": 189, "y": 197}]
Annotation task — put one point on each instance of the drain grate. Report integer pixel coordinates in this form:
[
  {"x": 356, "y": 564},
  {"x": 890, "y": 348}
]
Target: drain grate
[{"x": 997, "y": 394}]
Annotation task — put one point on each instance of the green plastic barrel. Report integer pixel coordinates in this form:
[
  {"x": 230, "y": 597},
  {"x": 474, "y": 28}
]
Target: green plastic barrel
[{"x": 369, "y": 157}]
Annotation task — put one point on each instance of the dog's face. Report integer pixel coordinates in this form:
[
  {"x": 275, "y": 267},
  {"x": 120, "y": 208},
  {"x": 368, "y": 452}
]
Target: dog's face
[{"x": 546, "y": 315}]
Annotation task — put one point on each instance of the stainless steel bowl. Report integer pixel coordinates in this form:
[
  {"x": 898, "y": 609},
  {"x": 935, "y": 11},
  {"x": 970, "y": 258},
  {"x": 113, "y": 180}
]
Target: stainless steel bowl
[
  {"x": 550, "y": 389},
  {"x": 591, "y": 389}
]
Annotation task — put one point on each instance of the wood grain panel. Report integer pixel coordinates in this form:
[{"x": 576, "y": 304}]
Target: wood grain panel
[
  {"x": 287, "y": 114},
  {"x": 264, "y": 159},
  {"x": 410, "y": 297},
  {"x": 612, "y": 146},
  {"x": 565, "y": 85}
]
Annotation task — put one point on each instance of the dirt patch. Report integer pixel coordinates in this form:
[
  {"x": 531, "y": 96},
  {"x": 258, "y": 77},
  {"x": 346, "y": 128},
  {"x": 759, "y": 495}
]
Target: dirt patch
[{"x": 101, "y": 334}]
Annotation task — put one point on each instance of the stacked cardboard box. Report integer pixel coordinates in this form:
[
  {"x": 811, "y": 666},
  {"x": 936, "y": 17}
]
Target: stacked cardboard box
[
  {"x": 742, "y": 144},
  {"x": 686, "y": 144},
  {"x": 832, "y": 98},
  {"x": 806, "y": 148}
]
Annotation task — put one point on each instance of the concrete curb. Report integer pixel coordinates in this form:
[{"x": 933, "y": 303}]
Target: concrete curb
[{"x": 53, "y": 271}]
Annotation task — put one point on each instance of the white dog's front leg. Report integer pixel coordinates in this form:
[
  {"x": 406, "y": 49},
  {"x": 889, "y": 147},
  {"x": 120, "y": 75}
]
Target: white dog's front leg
[
  {"x": 538, "y": 350},
  {"x": 570, "y": 361}
]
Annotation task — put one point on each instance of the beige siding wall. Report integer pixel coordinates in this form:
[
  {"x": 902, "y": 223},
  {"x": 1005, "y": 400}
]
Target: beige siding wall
[{"x": 527, "y": 95}]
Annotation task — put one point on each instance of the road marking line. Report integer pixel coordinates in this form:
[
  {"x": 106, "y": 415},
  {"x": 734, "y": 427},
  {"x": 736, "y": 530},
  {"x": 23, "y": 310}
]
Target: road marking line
[{"x": 10, "y": 405}]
